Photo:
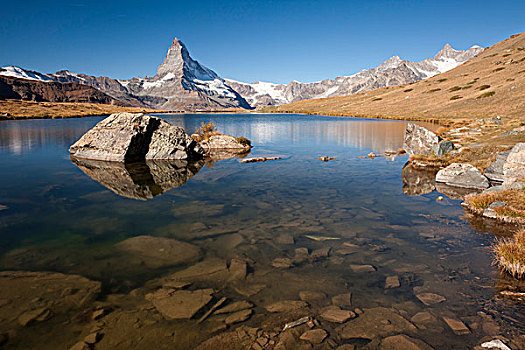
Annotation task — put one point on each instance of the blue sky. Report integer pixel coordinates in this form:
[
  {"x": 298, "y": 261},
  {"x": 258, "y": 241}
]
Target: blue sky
[{"x": 276, "y": 41}]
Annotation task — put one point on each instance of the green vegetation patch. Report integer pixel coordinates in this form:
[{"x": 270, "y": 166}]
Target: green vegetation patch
[
  {"x": 483, "y": 87},
  {"x": 466, "y": 87},
  {"x": 506, "y": 55},
  {"x": 408, "y": 90},
  {"x": 455, "y": 97},
  {"x": 442, "y": 80},
  {"x": 498, "y": 69},
  {"x": 377, "y": 99},
  {"x": 243, "y": 141},
  {"x": 487, "y": 94},
  {"x": 433, "y": 90},
  {"x": 454, "y": 88}
]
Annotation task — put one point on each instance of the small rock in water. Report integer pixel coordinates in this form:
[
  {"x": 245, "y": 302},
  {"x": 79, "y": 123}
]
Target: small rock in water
[
  {"x": 238, "y": 269},
  {"x": 314, "y": 336},
  {"x": 372, "y": 155},
  {"x": 299, "y": 322},
  {"x": 403, "y": 342},
  {"x": 181, "y": 303},
  {"x": 322, "y": 238},
  {"x": 311, "y": 296},
  {"x": 362, "y": 268},
  {"x": 3, "y": 207},
  {"x": 342, "y": 300},
  {"x": 430, "y": 298},
  {"x": 286, "y": 306},
  {"x": 326, "y": 159},
  {"x": 93, "y": 338},
  {"x": 258, "y": 159},
  {"x": 80, "y": 346},
  {"x": 29, "y": 317},
  {"x": 283, "y": 263},
  {"x": 495, "y": 344},
  {"x": 457, "y": 326},
  {"x": 392, "y": 282},
  {"x": 97, "y": 314},
  {"x": 320, "y": 253},
  {"x": 250, "y": 289},
  {"x": 239, "y": 316},
  {"x": 440, "y": 198},
  {"x": 337, "y": 315}
]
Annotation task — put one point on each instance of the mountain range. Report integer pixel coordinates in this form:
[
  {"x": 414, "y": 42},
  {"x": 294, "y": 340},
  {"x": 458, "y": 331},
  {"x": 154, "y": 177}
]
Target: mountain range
[{"x": 182, "y": 83}]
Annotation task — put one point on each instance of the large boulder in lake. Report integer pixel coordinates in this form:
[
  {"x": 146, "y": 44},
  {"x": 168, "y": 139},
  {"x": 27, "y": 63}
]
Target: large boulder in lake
[
  {"x": 129, "y": 137},
  {"x": 419, "y": 140},
  {"x": 462, "y": 175},
  {"x": 514, "y": 167}
]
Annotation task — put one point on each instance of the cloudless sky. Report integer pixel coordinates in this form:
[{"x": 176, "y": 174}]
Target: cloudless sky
[{"x": 276, "y": 41}]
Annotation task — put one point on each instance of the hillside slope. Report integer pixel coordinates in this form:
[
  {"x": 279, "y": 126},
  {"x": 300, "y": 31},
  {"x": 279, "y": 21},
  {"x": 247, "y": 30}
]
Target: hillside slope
[{"x": 490, "y": 84}]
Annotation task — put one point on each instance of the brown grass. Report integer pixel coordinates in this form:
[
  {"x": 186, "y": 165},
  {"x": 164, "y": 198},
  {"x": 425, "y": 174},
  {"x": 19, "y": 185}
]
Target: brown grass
[
  {"x": 18, "y": 109},
  {"x": 510, "y": 254},
  {"x": 205, "y": 131},
  {"x": 514, "y": 211}
]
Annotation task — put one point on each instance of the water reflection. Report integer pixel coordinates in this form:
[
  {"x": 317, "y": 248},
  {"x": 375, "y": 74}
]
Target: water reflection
[
  {"x": 142, "y": 180},
  {"x": 417, "y": 181}
]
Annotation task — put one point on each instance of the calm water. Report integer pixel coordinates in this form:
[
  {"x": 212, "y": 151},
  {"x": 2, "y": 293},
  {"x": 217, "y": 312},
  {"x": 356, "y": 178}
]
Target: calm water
[{"x": 66, "y": 217}]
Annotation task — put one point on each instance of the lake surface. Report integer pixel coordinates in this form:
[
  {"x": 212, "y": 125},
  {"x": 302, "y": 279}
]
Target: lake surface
[{"x": 353, "y": 215}]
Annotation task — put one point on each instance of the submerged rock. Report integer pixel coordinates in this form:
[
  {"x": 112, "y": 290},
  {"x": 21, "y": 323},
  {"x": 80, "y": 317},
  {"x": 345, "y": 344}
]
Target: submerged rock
[
  {"x": 182, "y": 303},
  {"x": 462, "y": 175},
  {"x": 159, "y": 251},
  {"x": 139, "y": 180},
  {"x": 457, "y": 326},
  {"x": 314, "y": 336},
  {"x": 419, "y": 140},
  {"x": 374, "y": 323},
  {"x": 514, "y": 167},
  {"x": 286, "y": 306},
  {"x": 128, "y": 137},
  {"x": 403, "y": 342}
]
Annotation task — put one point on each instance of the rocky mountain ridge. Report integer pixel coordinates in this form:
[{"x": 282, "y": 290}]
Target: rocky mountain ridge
[
  {"x": 182, "y": 83},
  {"x": 394, "y": 71}
]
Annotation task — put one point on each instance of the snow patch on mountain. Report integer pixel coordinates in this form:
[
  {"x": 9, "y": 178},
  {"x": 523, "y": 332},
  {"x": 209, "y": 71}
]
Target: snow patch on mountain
[{"x": 17, "y": 72}]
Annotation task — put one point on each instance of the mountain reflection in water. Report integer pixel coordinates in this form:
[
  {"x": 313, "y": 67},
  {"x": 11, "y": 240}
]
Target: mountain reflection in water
[{"x": 141, "y": 180}]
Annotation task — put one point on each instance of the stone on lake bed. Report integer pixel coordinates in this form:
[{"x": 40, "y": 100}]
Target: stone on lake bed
[
  {"x": 283, "y": 263},
  {"x": 234, "y": 307},
  {"x": 392, "y": 282},
  {"x": 286, "y": 306},
  {"x": 362, "y": 268},
  {"x": 337, "y": 315},
  {"x": 342, "y": 300},
  {"x": 314, "y": 336},
  {"x": 160, "y": 251},
  {"x": 311, "y": 296},
  {"x": 182, "y": 303},
  {"x": 457, "y": 326},
  {"x": 239, "y": 316},
  {"x": 403, "y": 342},
  {"x": 374, "y": 323},
  {"x": 430, "y": 298},
  {"x": 37, "y": 315}
]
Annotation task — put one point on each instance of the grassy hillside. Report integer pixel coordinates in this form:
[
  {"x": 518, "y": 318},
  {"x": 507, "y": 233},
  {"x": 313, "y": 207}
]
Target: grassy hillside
[
  {"x": 492, "y": 83},
  {"x": 18, "y": 109}
]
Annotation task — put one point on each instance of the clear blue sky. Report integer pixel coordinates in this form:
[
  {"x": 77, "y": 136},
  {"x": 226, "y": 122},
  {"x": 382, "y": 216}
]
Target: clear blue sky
[{"x": 269, "y": 40}]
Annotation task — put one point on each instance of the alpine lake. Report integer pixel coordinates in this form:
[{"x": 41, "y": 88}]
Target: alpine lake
[{"x": 275, "y": 242}]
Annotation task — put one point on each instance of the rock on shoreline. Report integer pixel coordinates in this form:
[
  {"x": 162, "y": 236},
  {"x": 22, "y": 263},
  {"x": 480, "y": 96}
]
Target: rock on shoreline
[
  {"x": 419, "y": 140},
  {"x": 462, "y": 175}
]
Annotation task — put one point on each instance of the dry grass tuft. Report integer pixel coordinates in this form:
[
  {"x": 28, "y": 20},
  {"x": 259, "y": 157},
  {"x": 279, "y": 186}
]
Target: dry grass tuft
[
  {"x": 515, "y": 200},
  {"x": 205, "y": 131},
  {"x": 510, "y": 254}
]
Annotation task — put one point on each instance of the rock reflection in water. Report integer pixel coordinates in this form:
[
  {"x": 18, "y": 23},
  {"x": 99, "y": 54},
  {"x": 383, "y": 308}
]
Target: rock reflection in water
[
  {"x": 418, "y": 181},
  {"x": 143, "y": 180}
]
